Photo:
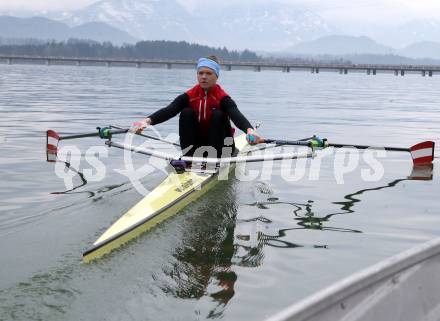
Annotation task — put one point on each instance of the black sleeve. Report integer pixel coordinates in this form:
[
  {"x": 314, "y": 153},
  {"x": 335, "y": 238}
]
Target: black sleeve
[
  {"x": 171, "y": 110},
  {"x": 230, "y": 108}
]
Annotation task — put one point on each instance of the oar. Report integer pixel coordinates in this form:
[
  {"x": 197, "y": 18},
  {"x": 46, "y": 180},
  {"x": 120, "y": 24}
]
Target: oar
[
  {"x": 152, "y": 137},
  {"x": 104, "y": 132},
  {"x": 258, "y": 148},
  {"x": 302, "y": 142},
  {"x": 53, "y": 138},
  {"x": 224, "y": 160},
  {"x": 421, "y": 153}
]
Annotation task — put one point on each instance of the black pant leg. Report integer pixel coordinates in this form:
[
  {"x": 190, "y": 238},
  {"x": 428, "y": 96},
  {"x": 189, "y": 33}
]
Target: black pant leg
[
  {"x": 189, "y": 129},
  {"x": 220, "y": 129}
]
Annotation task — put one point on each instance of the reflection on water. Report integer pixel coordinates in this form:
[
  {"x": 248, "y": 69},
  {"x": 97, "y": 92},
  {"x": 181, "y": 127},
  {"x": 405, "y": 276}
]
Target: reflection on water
[
  {"x": 203, "y": 260},
  {"x": 77, "y": 172},
  {"x": 203, "y": 263},
  {"x": 256, "y": 233},
  {"x": 217, "y": 241},
  {"x": 220, "y": 258}
]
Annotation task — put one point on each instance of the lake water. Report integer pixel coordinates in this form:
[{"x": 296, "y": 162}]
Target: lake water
[{"x": 243, "y": 251}]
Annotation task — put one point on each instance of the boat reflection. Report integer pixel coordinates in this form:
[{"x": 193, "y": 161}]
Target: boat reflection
[
  {"x": 202, "y": 265},
  {"x": 215, "y": 240}
]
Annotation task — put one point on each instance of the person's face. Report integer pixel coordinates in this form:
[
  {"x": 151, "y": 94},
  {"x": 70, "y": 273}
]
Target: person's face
[{"x": 206, "y": 78}]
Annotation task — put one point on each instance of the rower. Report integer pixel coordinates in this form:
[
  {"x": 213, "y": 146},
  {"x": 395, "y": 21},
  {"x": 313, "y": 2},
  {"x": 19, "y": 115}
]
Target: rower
[{"x": 205, "y": 113}]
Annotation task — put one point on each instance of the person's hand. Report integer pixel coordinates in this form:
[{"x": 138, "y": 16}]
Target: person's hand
[
  {"x": 253, "y": 138},
  {"x": 138, "y": 127}
]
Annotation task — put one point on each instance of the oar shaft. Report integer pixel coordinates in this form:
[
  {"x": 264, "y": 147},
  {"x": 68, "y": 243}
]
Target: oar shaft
[
  {"x": 394, "y": 149},
  {"x": 224, "y": 160},
  {"x": 96, "y": 133},
  {"x": 287, "y": 142},
  {"x": 153, "y": 137},
  {"x": 309, "y": 144}
]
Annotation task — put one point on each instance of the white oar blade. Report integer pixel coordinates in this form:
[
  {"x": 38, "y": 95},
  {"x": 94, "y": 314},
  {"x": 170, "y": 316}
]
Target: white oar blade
[{"x": 423, "y": 153}]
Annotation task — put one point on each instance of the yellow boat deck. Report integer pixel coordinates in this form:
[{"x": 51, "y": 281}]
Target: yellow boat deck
[{"x": 173, "y": 194}]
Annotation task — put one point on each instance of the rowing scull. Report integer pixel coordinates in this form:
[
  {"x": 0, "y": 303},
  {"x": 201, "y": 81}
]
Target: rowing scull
[
  {"x": 168, "y": 198},
  {"x": 181, "y": 188},
  {"x": 173, "y": 194}
]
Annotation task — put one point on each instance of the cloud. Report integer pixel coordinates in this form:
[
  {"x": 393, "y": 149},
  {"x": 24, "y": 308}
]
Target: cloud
[
  {"x": 43, "y": 5},
  {"x": 340, "y": 11}
]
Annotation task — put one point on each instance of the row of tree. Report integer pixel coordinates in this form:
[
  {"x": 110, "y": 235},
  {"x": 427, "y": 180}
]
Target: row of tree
[
  {"x": 141, "y": 50},
  {"x": 178, "y": 50}
]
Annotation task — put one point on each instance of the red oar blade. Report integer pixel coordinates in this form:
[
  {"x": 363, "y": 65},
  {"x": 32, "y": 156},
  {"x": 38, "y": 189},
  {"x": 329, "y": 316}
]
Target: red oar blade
[
  {"x": 52, "y": 140},
  {"x": 423, "y": 153}
]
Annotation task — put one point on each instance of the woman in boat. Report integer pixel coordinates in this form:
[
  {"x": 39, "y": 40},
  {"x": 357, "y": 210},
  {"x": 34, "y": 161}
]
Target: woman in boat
[{"x": 205, "y": 113}]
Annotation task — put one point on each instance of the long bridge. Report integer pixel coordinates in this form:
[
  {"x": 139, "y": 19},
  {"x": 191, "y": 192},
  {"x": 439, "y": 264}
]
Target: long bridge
[{"x": 343, "y": 68}]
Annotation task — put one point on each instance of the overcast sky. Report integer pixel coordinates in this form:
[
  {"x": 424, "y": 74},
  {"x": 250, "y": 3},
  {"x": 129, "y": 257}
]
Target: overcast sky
[{"x": 336, "y": 11}]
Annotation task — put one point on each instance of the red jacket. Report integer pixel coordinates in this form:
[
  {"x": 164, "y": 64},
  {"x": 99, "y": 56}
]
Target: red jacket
[{"x": 204, "y": 103}]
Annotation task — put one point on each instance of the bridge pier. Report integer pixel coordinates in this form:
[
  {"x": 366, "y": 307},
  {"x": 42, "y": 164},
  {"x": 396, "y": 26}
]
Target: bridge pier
[
  {"x": 315, "y": 70},
  {"x": 374, "y": 72},
  {"x": 9, "y": 61},
  {"x": 430, "y": 73},
  {"x": 47, "y": 62},
  {"x": 423, "y": 72},
  {"x": 138, "y": 65},
  {"x": 169, "y": 66},
  {"x": 78, "y": 63},
  {"x": 341, "y": 71},
  {"x": 286, "y": 69},
  {"x": 228, "y": 67},
  {"x": 402, "y": 72},
  {"x": 368, "y": 71},
  {"x": 107, "y": 64},
  {"x": 396, "y": 73},
  {"x": 257, "y": 68}
]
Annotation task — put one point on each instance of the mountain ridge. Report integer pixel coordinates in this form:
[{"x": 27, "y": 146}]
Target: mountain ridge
[
  {"x": 343, "y": 45},
  {"x": 46, "y": 29},
  {"x": 268, "y": 26},
  {"x": 263, "y": 26}
]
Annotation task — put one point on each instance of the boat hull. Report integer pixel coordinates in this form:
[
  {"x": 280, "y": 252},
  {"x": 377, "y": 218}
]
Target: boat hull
[
  {"x": 167, "y": 199},
  {"x": 404, "y": 287}
]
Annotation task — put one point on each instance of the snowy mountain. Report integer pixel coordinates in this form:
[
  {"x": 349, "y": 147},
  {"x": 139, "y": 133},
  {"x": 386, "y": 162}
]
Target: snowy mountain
[
  {"x": 268, "y": 27},
  {"x": 47, "y": 29},
  {"x": 272, "y": 26},
  {"x": 143, "y": 19}
]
